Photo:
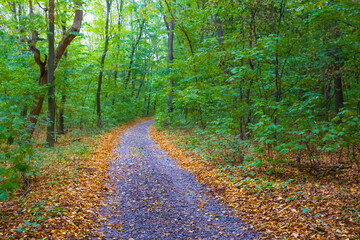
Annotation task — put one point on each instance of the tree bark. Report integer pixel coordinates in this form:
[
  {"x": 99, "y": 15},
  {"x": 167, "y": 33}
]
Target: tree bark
[
  {"x": 170, "y": 28},
  {"x": 61, "y": 115},
  {"x": 50, "y": 135}
]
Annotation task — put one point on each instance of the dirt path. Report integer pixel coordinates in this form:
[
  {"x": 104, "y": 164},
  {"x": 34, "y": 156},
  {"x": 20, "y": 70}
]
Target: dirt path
[{"x": 150, "y": 197}]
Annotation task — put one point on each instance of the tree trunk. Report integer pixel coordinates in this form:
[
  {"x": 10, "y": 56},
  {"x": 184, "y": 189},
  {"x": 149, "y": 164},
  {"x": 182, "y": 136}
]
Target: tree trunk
[
  {"x": 220, "y": 38},
  {"x": 277, "y": 60},
  {"x": 148, "y": 103},
  {"x": 143, "y": 79},
  {"x": 61, "y": 114},
  {"x": 39, "y": 100},
  {"x": 31, "y": 11},
  {"x": 338, "y": 88},
  {"x": 119, "y": 8},
  {"x": 24, "y": 112},
  {"x": 170, "y": 27},
  {"x": 98, "y": 93},
  {"x": 43, "y": 79},
  {"x": 50, "y": 135},
  {"x": 219, "y": 30},
  {"x": 13, "y": 9},
  {"x": 139, "y": 89},
  {"x": 134, "y": 46}
]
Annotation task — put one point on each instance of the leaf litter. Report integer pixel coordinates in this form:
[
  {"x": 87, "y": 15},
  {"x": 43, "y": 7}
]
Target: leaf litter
[
  {"x": 298, "y": 208},
  {"x": 64, "y": 200}
]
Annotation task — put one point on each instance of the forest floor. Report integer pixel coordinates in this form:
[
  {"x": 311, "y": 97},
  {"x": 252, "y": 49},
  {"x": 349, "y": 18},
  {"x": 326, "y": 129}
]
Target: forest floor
[
  {"x": 290, "y": 204},
  {"x": 150, "y": 197},
  {"x": 88, "y": 190},
  {"x": 66, "y": 191}
]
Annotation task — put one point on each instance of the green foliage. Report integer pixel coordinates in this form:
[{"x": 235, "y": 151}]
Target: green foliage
[
  {"x": 15, "y": 158},
  {"x": 269, "y": 87},
  {"x": 248, "y": 77},
  {"x": 75, "y": 77}
]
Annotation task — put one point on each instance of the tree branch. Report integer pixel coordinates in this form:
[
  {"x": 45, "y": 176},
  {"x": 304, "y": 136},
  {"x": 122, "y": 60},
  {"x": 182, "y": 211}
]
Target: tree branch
[
  {"x": 37, "y": 55},
  {"x": 69, "y": 36}
]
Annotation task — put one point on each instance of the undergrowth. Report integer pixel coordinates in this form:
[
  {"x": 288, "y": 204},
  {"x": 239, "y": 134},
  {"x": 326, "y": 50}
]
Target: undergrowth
[
  {"x": 275, "y": 197},
  {"x": 65, "y": 193}
]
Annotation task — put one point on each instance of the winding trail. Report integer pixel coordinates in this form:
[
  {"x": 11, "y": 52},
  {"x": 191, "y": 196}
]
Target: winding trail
[{"x": 150, "y": 197}]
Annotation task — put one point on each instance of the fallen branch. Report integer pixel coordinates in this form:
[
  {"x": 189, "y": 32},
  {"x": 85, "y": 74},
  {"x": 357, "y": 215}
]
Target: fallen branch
[{"x": 29, "y": 186}]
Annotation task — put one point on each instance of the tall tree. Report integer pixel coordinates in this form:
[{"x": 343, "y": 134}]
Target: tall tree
[
  {"x": 43, "y": 79},
  {"x": 119, "y": 9},
  {"x": 103, "y": 56},
  {"x": 133, "y": 49},
  {"x": 50, "y": 137},
  {"x": 170, "y": 26}
]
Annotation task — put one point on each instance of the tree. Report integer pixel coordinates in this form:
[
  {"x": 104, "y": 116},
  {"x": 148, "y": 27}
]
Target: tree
[
  {"x": 51, "y": 93},
  {"x": 170, "y": 26},
  {"x": 43, "y": 79},
  {"x": 103, "y": 56}
]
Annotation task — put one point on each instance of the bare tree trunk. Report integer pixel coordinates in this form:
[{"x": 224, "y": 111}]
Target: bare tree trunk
[{"x": 98, "y": 93}]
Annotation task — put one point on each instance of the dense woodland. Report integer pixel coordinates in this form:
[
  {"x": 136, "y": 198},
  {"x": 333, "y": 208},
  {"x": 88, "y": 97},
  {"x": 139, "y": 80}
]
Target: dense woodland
[{"x": 269, "y": 83}]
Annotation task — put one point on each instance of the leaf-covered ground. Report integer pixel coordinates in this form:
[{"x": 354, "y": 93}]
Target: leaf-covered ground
[
  {"x": 292, "y": 205},
  {"x": 149, "y": 197},
  {"x": 64, "y": 199}
]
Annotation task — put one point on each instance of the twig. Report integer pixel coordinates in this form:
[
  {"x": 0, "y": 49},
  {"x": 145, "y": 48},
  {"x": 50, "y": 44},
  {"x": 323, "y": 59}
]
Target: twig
[
  {"x": 28, "y": 189},
  {"x": 43, "y": 8}
]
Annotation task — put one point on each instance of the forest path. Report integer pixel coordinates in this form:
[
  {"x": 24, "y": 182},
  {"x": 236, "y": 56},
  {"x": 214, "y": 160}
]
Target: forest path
[{"x": 150, "y": 197}]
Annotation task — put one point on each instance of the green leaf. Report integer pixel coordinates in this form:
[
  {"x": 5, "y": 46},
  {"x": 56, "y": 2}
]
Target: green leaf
[{"x": 3, "y": 195}]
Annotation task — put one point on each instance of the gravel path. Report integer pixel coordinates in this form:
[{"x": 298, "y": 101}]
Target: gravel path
[{"x": 150, "y": 197}]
